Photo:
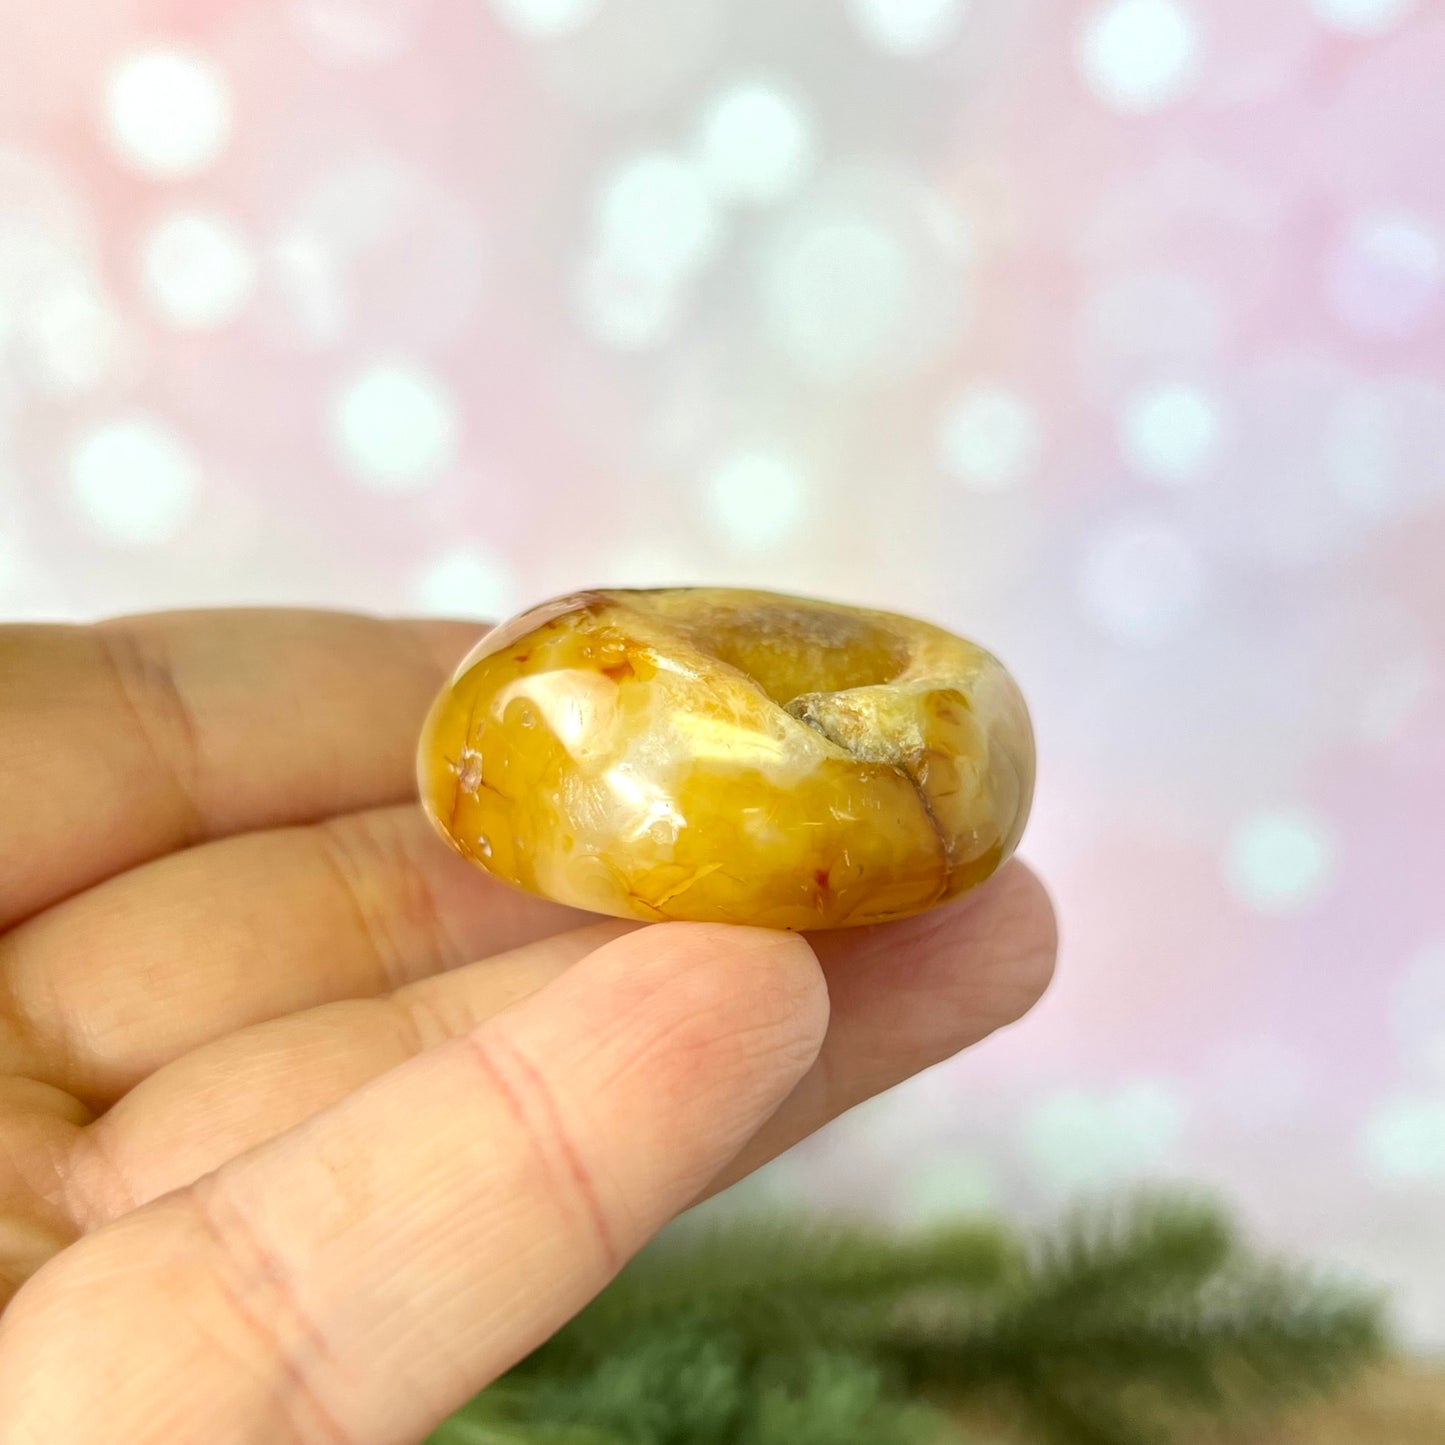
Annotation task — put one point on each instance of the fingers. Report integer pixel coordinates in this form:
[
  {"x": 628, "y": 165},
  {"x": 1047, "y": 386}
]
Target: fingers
[
  {"x": 365, "y": 1274},
  {"x": 125, "y": 741},
  {"x": 908, "y": 995},
  {"x": 905, "y": 995},
  {"x": 106, "y": 987},
  {"x": 246, "y": 1088}
]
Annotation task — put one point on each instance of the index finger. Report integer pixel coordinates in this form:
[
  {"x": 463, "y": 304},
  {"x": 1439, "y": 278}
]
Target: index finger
[
  {"x": 131, "y": 739},
  {"x": 363, "y": 1275}
]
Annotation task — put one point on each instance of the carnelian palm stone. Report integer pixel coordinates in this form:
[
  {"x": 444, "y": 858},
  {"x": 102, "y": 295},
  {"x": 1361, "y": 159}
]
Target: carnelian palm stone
[{"x": 720, "y": 755}]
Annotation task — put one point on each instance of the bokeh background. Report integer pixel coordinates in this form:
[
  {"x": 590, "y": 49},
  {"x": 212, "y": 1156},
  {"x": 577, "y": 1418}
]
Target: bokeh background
[{"x": 1111, "y": 333}]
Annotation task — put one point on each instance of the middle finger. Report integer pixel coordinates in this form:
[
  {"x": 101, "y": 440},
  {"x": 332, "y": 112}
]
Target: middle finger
[{"x": 113, "y": 984}]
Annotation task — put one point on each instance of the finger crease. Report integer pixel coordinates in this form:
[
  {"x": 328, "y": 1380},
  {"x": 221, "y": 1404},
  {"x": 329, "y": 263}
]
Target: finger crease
[
  {"x": 422, "y": 1022},
  {"x": 530, "y": 1099},
  {"x": 260, "y": 1290},
  {"x": 146, "y": 684},
  {"x": 96, "y": 1185},
  {"x": 421, "y": 901},
  {"x": 339, "y": 853}
]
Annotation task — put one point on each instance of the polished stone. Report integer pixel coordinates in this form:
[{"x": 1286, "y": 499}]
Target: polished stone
[{"x": 721, "y": 755}]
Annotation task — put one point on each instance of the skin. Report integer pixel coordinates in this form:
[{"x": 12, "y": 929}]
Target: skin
[{"x": 309, "y": 1130}]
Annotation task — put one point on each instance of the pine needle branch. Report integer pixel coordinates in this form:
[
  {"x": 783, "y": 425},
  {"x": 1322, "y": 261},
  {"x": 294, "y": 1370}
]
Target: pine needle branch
[
  {"x": 1146, "y": 1249},
  {"x": 786, "y": 1283},
  {"x": 1107, "y": 1333}
]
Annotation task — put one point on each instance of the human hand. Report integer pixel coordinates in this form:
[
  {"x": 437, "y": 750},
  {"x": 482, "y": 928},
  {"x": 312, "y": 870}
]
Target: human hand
[{"x": 280, "y": 1159}]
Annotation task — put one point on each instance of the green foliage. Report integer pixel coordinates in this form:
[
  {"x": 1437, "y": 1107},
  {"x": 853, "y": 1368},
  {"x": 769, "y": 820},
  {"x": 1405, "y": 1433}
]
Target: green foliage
[{"x": 1114, "y": 1331}]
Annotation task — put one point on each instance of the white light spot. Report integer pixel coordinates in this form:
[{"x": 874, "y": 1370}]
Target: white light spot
[
  {"x": 757, "y": 499},
  {"x": 197, "y": 270},
  {"x": 468, "y": 582},
  {"x": 1280, "y": 862},
  {"x": 1079, "y": 1141},
  {"x": 168, "y": 113},
  {"x": 1141, "y": 55},
  {"x": 1404, "y": 1140},
  {"x": 755, "y": 143},
  {"x": 839, "y": 291},
  {"x": 135, "y": 480},
  {"x": 657, "y": 217},
  {"x": 990, "y": 438},
  {"x": 1387, "y": 274},
  {"x": 545, "y": 19},
  {"x": 626, "y": 309},
  {"x": 908, "y": 27},
  {"x": 1140, "y": 580},
  {"x": 396, "y": 428},
  {"x": 1364, "y": 17},
  {"x": 1169, "y": 432}
]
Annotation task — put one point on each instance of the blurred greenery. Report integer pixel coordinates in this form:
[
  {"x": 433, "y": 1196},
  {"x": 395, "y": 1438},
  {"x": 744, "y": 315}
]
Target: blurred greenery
[{"x": 1121, "y": 1327}]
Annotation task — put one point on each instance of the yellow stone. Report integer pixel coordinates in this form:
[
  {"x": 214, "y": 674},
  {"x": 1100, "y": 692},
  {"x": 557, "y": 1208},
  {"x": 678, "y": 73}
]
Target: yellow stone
[{"x": 733, "y": 756}]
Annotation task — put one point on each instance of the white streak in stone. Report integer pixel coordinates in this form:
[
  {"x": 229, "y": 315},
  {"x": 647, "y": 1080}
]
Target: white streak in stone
[{"x": 580, "y": 708}]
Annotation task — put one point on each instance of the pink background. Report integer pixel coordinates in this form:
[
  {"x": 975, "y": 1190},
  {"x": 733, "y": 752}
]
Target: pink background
[{"x": 1110, "y": 333}]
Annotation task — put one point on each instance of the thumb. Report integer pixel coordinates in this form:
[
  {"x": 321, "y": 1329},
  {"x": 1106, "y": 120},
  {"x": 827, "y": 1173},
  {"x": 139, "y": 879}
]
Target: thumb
[{"x": 366, "y": 1273}]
